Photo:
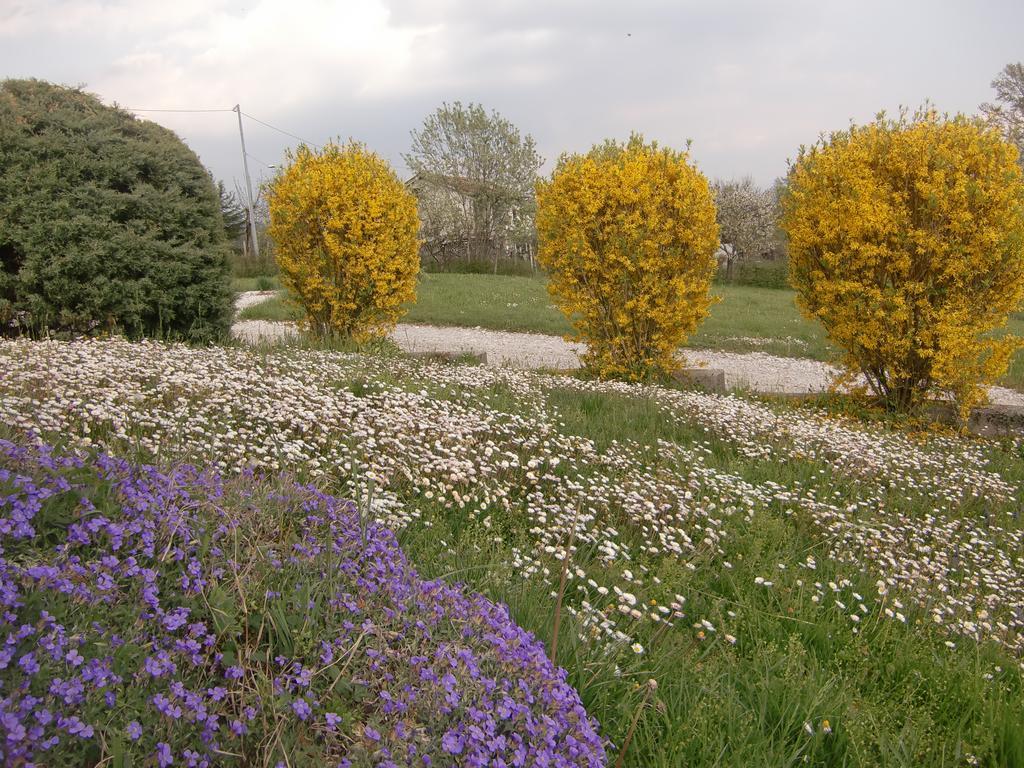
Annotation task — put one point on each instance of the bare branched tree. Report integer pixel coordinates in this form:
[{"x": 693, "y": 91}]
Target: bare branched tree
[
  {"x": 235, "y": 215},
  {"x": 1007, "y": 111},
  {"x": 474, "y": 177}
]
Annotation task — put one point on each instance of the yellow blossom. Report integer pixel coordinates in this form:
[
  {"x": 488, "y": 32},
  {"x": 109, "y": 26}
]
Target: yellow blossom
[
  {"x": 628, "y": 235},
  {"x": 345, "y": 234},
  {"x": 906, "y": 240}
]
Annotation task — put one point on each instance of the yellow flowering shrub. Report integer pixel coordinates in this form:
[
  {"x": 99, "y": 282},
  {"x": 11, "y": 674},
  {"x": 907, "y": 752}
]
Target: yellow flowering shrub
[
  {"x": 345, "y": 235},
  {"x": 906, "y": 240},
  {"x": 628, "y": 236}
]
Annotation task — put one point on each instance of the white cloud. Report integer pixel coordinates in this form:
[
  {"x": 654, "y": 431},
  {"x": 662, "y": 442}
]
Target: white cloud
[
  {"x": 104, "y": 18},
  {"x": 748, "y": 81},
  {"x": 273, "y": 58}
]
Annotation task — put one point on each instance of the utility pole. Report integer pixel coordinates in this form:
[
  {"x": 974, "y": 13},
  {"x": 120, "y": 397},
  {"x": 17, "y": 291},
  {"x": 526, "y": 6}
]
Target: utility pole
[{"x": 248, "y": 186}]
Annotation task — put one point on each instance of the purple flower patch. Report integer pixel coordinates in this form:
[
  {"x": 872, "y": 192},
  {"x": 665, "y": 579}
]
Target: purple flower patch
[{"x": 237, "y": 599}]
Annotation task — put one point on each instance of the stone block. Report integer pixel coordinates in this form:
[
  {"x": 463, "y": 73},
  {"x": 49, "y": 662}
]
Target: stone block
[{"x": 710, "y": 379}]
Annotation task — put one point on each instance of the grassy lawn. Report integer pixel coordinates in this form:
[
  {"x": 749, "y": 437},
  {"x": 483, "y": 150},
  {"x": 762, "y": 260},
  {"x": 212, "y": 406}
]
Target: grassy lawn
[
  {"x": 747, "y": 319},
  {"x": 261, "y": 283},
  {"x": 489, "y": 301},
  {"x": 1015, "y": 376}
]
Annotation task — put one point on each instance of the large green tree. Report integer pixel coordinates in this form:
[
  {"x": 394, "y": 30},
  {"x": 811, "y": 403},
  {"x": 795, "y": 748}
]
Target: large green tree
[{"x": 107, "y": 223}]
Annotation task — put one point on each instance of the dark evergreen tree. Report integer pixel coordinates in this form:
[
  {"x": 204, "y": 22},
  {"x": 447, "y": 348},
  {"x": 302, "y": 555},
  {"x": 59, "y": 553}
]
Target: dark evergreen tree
[
  {"x": 236, "y": 217},
  {"x": 108, "y": 223}
]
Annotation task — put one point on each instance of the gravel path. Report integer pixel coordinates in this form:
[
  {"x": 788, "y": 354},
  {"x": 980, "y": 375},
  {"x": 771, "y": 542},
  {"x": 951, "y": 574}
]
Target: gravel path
[
  {"x": 251, "y": 298},
  {"x": 754, "y": 371}
]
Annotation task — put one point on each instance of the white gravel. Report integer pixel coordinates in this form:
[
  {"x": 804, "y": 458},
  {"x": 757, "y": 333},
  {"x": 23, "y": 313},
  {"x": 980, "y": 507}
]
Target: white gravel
[
  {"x": 754, "y": 371},
  {"x": 250, "y": 298},
  {"x": 255, "y": 331}
]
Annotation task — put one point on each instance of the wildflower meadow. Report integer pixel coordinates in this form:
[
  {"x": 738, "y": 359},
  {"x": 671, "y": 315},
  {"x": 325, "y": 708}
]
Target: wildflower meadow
[{"x": 331, "y": 558}]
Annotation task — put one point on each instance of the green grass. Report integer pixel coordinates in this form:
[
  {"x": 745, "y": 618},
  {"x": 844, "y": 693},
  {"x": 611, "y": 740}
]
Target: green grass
[
  {"x": 747, "y": 319},
  {"x": 739, "y": 322},
  {"x": 489, "y": 301},
  {"x": 278, "y": 309},
  {"x": 523, "y": 304},
  {"x": 260, "y": 283},
  {"x": 760, "y": 319},
  {"x": 1015, "y": 376}
]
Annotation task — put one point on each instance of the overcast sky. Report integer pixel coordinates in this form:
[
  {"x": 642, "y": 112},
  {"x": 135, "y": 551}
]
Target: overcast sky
[{"x": 747, "y": 81}]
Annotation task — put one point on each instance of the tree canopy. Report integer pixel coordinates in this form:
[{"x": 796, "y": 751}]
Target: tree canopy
[
  {"x": 906, "y": 240},
  {"x": 628, "y": 235},
  {"x": 747, "y": 219},
  {"x": 344, "y": 227}
]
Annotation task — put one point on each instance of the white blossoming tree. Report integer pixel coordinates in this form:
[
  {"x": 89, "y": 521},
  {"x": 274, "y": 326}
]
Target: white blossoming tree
[{"x": 747, "y": 218}]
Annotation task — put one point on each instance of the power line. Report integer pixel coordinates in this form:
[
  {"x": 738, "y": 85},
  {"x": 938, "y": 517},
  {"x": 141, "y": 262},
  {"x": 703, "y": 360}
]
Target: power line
[
  {"x": 128, "y": 109},
  {"x": 254, "y": 119},
  {"x": 281, "y": 130},
  {"x": 253, "y": 157}
]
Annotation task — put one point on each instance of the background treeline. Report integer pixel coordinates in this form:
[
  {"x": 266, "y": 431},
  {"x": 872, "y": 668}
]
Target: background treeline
[
  {"x": 474, "y": 173},
  {"x": 109, "y": 223},
  {"x": 474, "y": 176}
]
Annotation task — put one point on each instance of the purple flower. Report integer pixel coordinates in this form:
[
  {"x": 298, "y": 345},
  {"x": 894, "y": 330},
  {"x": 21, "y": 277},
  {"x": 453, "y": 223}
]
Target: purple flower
[
  {"x": 301, "y": 708},
  {"x": 177, "y": 529},
  {"x": 163, "y": 755},
  {"x": 15, "y": 730},
  {"x": 453, "y": 742},
  {"x": 166, "y": 707},
  {"x": 159, "y": 665},
  {"x": 175, "y": 619},
  {"x": 76, "y": 727}
]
